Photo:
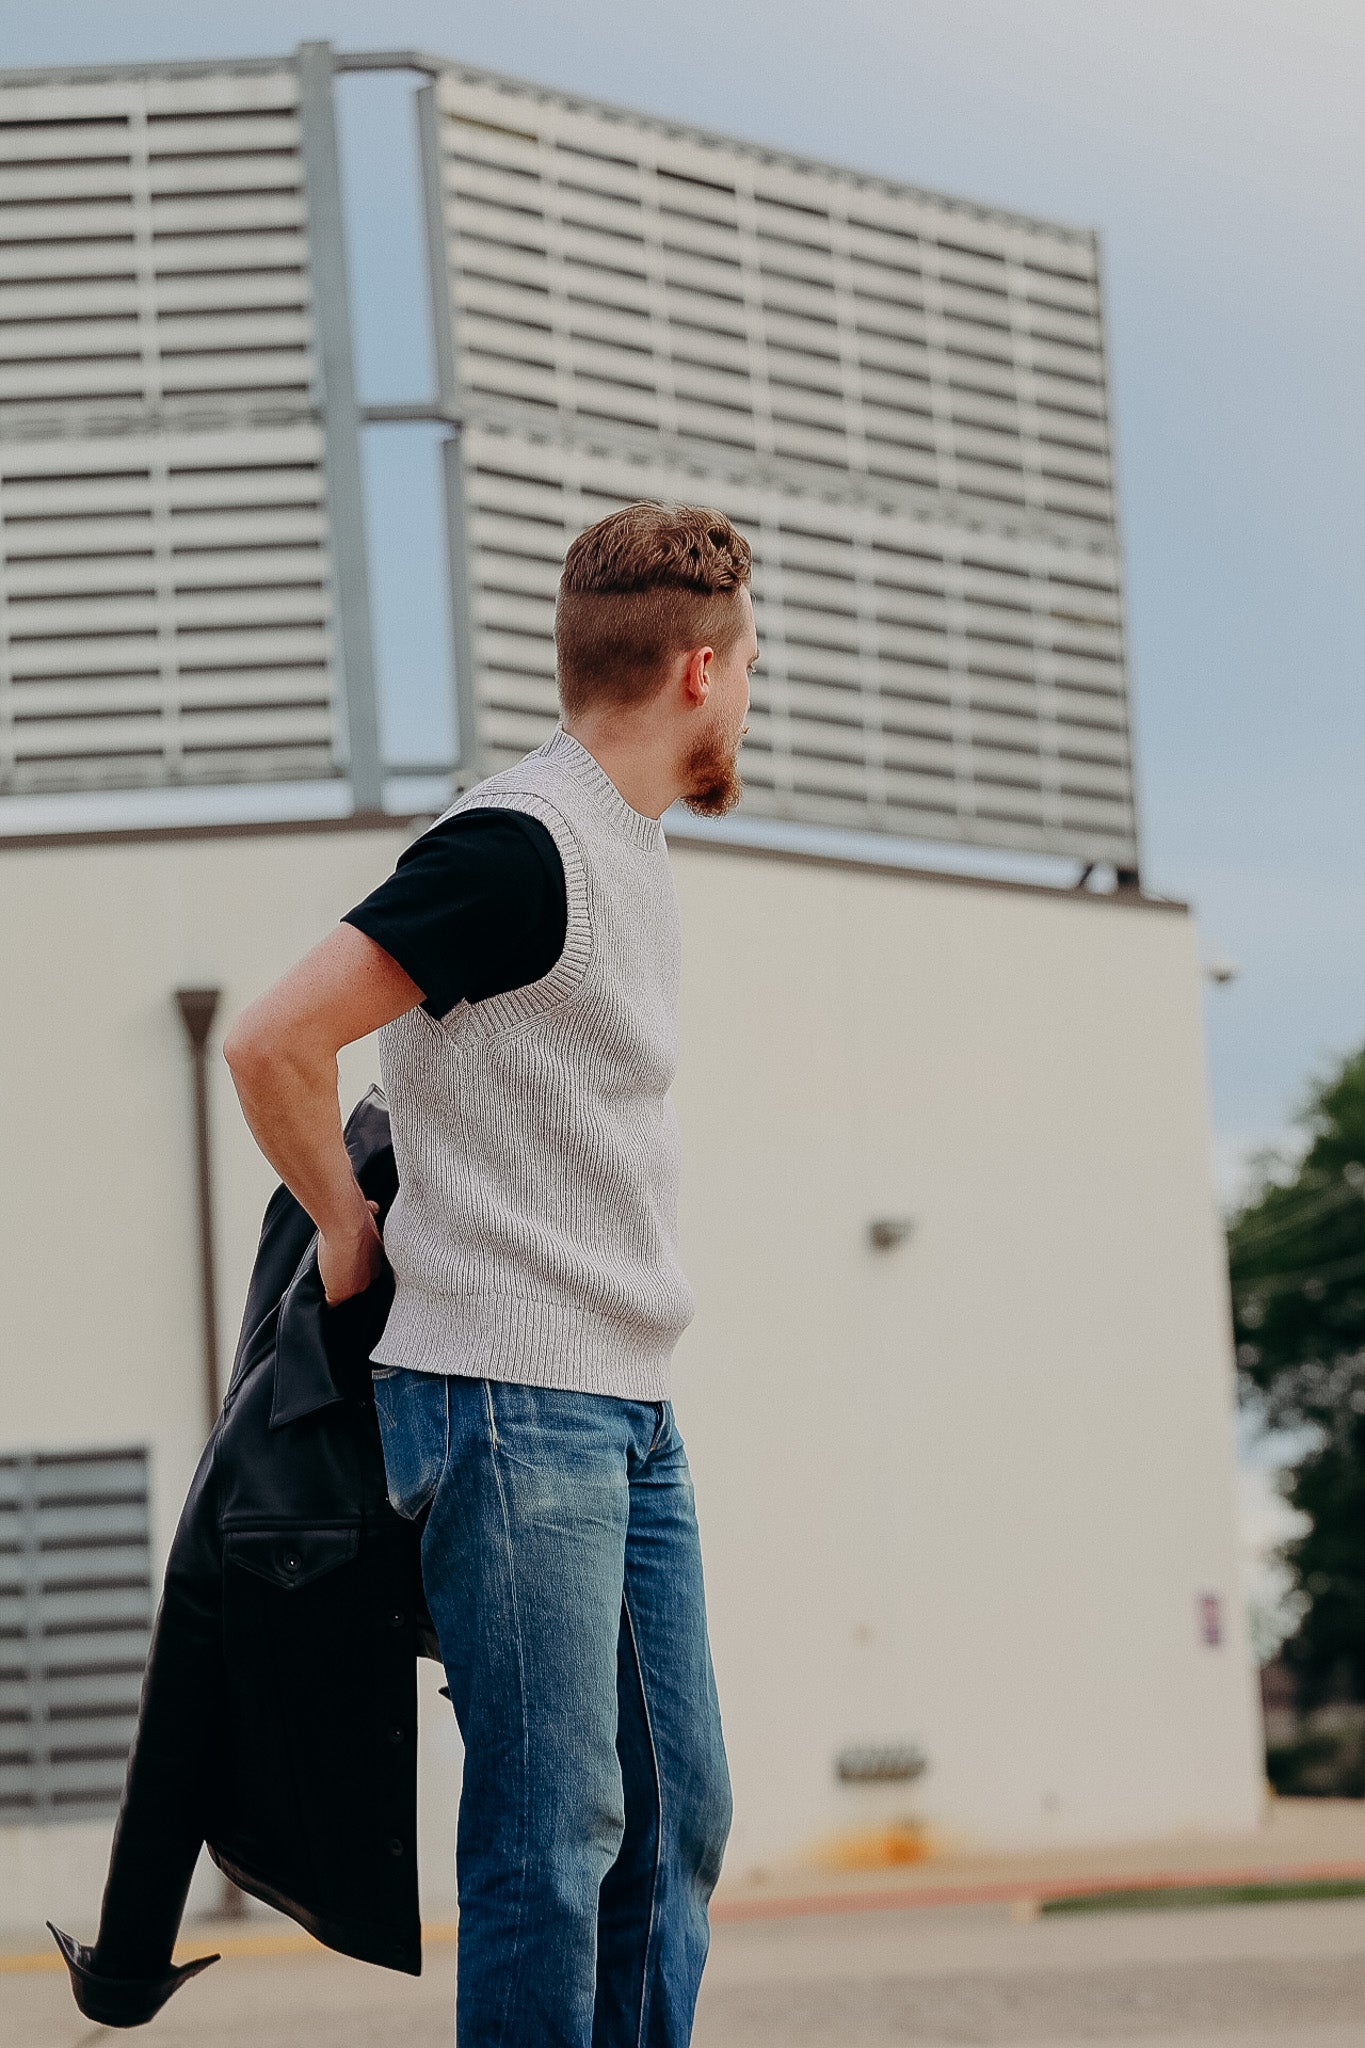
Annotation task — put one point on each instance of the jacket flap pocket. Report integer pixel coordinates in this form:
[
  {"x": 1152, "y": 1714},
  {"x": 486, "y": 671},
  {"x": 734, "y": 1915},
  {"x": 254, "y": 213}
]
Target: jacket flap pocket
[{"x": 291, "y": 1557}]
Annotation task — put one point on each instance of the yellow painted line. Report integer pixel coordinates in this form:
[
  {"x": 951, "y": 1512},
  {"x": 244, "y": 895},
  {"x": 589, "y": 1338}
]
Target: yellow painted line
[{"x": 248, "y": 1946}]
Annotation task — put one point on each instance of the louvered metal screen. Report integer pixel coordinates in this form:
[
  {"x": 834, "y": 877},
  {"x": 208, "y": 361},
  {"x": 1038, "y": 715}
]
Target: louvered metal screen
[
  {"x": 902, "y": 398},
  {"x": 75, "y": 1618},
  {"x": 164, "y": 592}
]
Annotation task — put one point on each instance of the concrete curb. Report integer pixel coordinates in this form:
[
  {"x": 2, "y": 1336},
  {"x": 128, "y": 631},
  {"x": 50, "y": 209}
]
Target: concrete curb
[{"x": 1020, "y": 1890}]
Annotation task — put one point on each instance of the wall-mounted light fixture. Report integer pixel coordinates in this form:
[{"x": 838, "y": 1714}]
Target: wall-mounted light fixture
[
  {"x": 886, "y": 1233},
  {"x": 880, "y": 1763}
]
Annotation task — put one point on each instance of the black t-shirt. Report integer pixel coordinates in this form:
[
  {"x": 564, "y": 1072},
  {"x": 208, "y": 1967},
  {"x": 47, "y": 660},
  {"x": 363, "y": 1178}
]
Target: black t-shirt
[{"x": 475, "y": 907}]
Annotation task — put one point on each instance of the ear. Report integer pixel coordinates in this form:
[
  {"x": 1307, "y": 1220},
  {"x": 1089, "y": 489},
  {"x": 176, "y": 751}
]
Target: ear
[{"x": 696, "y": 678}]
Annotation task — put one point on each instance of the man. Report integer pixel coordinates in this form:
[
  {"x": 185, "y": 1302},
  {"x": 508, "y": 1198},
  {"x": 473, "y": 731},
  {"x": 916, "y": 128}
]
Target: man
[{"x": 521, "y": 967}]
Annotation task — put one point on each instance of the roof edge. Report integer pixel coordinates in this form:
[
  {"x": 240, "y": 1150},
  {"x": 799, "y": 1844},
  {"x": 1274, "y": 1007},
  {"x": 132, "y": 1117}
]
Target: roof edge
[
  {"x": 433, "y": 66},
  {"x": 388, "y": 821},
  {"x": 1072, "y": 231}
]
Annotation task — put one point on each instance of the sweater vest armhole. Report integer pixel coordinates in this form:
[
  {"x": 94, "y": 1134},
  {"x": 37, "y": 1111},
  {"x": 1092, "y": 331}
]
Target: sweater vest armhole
[{"x": 522, "y": 1006}]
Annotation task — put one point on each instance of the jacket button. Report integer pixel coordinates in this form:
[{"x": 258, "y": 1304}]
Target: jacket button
[
  {"x": 395, "y": 1734},
  {"x": 396, "y": 1846},
  {"x": 290, "y": 1561},
  {"x": 397, "y": 1618}
]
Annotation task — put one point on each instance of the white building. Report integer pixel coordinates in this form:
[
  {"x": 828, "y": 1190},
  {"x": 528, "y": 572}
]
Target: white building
[{"x": 958, "y": 1394}]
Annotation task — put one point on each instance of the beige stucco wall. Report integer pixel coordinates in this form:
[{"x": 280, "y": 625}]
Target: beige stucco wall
[{"x": 964, "y": 1493}]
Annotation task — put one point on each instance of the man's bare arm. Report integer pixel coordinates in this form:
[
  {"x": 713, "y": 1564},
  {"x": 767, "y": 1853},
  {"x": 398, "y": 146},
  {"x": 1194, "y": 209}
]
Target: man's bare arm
[{"x": 283, "y": 1055}]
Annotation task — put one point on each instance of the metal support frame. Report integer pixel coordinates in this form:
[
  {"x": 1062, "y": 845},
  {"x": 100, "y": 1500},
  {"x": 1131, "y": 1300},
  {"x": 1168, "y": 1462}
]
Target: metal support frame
[
  {"x": 468, "y": 743},
  {"x": 468, "y": 748},
  {"x": 341, "y": 421},
  {"x": 344, "y": 416}
]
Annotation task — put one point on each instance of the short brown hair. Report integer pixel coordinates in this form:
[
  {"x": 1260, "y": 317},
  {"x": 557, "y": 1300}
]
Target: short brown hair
[{"x": 645, "y": 583}]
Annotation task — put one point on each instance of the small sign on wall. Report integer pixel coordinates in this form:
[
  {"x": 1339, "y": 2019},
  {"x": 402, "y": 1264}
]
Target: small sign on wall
[{"x": 1209, "y": 1607}]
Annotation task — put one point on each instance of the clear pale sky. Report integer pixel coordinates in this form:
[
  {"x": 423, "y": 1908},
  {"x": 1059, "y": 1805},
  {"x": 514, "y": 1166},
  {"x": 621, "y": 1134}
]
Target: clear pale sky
[{"x": 1219, "y": 147}]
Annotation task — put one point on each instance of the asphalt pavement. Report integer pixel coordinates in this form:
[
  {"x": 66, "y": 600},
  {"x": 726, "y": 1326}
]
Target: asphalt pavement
[{"x": 1268, "y": 1976}]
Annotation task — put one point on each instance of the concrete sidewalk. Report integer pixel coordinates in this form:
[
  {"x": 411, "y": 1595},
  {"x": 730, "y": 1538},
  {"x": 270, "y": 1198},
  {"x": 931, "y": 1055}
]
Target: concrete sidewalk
[{"x": 1299, "y": 1840}]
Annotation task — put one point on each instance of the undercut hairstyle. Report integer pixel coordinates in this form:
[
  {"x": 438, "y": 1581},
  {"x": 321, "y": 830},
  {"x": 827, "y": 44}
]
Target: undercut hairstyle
[{"x": 645, "y": 584}]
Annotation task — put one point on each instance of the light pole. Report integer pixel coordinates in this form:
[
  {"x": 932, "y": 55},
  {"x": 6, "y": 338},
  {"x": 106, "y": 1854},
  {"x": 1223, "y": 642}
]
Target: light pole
[{"x": 198, "y": 1007}]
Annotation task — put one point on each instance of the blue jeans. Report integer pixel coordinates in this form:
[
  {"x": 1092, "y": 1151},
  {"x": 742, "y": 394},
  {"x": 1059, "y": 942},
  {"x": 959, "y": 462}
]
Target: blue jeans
[{"x": 563, "y": 1573}]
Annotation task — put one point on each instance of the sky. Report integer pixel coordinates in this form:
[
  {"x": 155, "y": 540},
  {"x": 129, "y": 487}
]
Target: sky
[{"x": 1219, "y": 148}]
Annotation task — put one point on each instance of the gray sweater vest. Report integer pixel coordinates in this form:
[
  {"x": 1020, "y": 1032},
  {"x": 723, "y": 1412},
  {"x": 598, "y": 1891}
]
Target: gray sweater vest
[{"x": 534, "y": 1236}]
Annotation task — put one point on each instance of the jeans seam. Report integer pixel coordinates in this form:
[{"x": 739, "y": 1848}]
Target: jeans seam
[
  {"x": 652, "y": 1930},
  {"x": 524, "y": 1818}
]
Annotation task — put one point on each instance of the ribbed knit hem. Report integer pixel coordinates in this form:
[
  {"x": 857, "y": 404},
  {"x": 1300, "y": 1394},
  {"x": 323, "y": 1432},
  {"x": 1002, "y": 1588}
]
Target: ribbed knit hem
[{"x": 531, "y": 1342}]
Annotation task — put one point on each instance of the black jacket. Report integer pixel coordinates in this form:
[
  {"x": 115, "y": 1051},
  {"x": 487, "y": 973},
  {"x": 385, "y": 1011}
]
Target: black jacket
[{"x": 278, "y": 1721}]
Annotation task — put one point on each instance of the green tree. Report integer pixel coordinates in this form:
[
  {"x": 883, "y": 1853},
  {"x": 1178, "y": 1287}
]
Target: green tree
[{"x": 1297, "y": 1257}]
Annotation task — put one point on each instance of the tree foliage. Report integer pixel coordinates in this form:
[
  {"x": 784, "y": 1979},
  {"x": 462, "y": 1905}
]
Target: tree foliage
[{"x": 1297, "y": 1258}]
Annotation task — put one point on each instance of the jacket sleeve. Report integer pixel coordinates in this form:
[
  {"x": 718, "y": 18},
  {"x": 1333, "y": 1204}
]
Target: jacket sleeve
[{"x": 176, "y": 1759}]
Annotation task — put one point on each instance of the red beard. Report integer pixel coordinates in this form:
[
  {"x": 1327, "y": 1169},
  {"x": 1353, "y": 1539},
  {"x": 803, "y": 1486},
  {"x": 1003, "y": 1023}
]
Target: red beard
[{"x": 713, "y": 782}]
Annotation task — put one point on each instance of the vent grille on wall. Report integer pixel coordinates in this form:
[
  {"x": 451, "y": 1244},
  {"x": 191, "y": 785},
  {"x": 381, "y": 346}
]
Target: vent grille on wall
[
  {"x": 164, "y": 608},
  {"x": 75, "y": 1621},
  {"x": 903, "y": 400}
]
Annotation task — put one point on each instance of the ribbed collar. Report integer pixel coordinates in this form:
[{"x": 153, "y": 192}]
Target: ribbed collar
[{"x": 589, "y": 773}]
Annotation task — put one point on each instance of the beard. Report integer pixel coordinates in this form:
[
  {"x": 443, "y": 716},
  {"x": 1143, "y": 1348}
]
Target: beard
[{"x": 713, "y": 784}]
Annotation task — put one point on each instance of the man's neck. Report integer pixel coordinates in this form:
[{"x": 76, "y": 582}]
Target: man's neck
[{"x": 645, "y": 781}]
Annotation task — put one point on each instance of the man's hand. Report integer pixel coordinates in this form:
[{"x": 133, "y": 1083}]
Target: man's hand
[{"x": 349, "y": 1261}]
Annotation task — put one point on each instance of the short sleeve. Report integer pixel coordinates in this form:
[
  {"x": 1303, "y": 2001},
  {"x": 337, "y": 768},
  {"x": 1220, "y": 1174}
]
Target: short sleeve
[{"x": 475, "y": 907}]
